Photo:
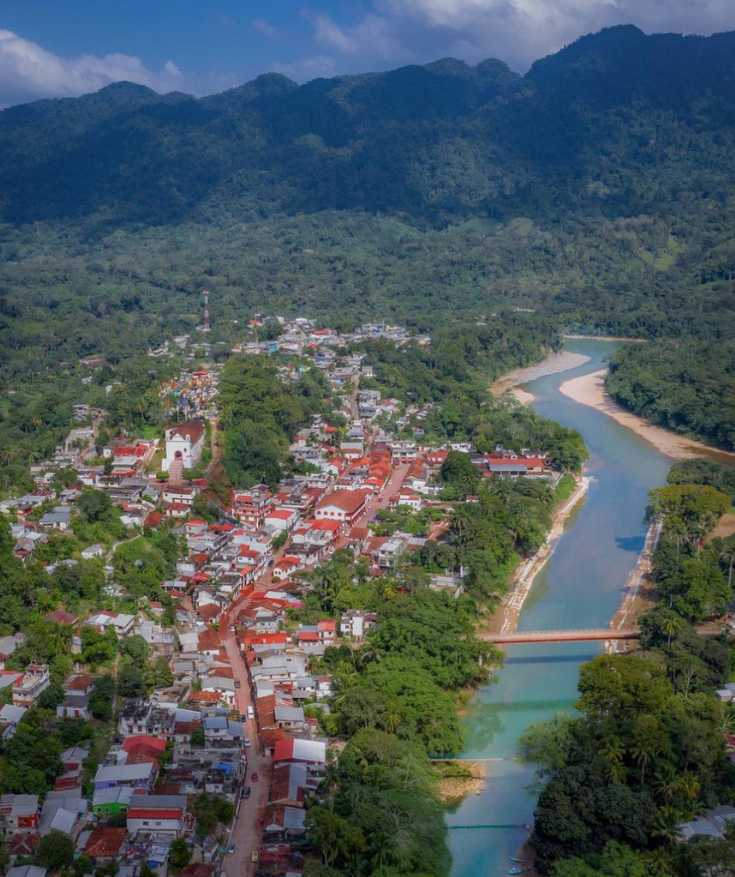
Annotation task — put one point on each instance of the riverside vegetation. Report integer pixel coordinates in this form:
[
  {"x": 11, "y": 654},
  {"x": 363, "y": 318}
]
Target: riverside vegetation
[
  {"x": 648, "y": 750},
  {"x": 686, "y": 386}
]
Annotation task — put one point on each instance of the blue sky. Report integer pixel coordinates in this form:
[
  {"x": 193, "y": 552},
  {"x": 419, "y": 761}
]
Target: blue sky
[{"x": 52, "y": 48}]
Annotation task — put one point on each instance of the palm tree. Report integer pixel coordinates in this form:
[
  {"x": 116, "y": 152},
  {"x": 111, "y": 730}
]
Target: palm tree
[
  {"x": 613, "y": 755},
  {"x": 727, "y": 553},
  {"x": 671, "y": 625}
]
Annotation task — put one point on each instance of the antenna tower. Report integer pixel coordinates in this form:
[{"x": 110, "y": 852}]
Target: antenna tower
[{"x": 205, "y": 321}]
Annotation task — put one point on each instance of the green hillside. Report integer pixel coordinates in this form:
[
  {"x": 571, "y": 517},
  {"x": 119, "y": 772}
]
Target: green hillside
[{"x": 598, "y": 187}]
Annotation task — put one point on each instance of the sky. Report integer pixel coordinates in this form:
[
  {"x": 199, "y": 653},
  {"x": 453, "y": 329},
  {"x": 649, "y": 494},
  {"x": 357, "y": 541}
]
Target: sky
[{"x": 60, "y": 48}]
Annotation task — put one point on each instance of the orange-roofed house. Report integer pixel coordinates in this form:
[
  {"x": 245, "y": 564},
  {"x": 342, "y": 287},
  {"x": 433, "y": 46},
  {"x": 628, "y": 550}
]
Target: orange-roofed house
[
  {"x": 344, "y": 506},
  {"x": 285, "y": 567},
  {"x": 327, "y": 629},
  {"x": 104, "y": 844}
]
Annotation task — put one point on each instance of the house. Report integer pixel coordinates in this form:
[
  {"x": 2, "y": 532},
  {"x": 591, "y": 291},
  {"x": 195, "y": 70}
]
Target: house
[
  {"x": 79, "y": 683},
  {"x": 289, "y": 783},
  {"x": 284, "y": 822},
  {"x": 31, "y": 685},
  {"x": 121, "y": 622},
  {"x": 93, "y": 551},
  {"x": 8, "y": 645},
  {"x": 111, "y": 802},
  {"x": 290, "y": 718},
  {"x": 222, "y": 685},
  {"x": 157, "y": 814},
  {"x": 184, "y": 443},
  {"x": 62, "y": 814},
  {"x": 9, "y": 717},
  {"x": 74, "y": 706},
  {"x": 409, "y": 498},
  {"x": 142, "y": 748},
  {"x": 104, "y": 844},
  {"x": 355, "y": 623},
  {"x": 220, "y": 730},
  {"x": 137, "y": 776},
  {"x": 344, "y": 506},
  {"x": 19, "y": 813},
  {"x": 713, "y": 824},
  {"x": 509, "y": 465},
  {"x": 58, "y": 518},
  {"x": 62, "y": 617},
  {"x": 25, "y": 870},
  {"x": 309, "y": 752},
  {"x": 280, "y": 519},
  {"x": 327, "y": 630}
]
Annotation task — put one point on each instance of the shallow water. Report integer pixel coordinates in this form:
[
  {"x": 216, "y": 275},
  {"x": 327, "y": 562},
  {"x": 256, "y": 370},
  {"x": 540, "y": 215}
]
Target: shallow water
[{"x": 580, "y": 587}]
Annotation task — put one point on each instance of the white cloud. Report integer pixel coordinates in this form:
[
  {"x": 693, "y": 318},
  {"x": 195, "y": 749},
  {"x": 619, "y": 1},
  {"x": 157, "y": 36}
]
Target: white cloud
[
  {"x": 264, "y": 27},
  {"x": 517, "y": 31},
  {"x": 312, "y": 67},
  {"x": 28, "y": 71}
]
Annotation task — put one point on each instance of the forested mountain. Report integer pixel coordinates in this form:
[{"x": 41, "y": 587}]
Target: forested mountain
[
  {"x": 598, "y": 187},
  {"x": 608, "y": 125}
]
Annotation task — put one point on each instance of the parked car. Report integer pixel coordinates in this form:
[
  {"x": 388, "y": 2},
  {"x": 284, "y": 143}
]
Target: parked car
[
  {"x": 251, "y": 712},
  {"x": 246, "y": 790},
  {"x": 237, "y": 683}
]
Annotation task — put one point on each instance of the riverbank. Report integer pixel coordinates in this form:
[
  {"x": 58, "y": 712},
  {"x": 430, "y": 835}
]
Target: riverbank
[
  {"x": 590, "y": 390},
  {"x": 553, "y": 364},
  {"x": 603, "y": 338},
  {"x": 638, "y": 591},
  {"x": 506, "y": 616},
  {"x": 459, "y": 779}
]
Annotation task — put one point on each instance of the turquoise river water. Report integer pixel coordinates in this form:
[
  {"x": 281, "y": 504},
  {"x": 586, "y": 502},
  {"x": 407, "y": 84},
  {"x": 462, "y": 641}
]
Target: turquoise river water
[{"x": 580, "y": 587}]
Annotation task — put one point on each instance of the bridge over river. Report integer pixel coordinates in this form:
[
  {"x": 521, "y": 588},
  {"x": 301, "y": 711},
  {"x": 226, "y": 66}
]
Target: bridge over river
[{"x": 601, "y": 634}]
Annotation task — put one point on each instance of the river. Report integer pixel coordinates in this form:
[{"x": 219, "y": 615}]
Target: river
[{"x": 580, "y": 587}]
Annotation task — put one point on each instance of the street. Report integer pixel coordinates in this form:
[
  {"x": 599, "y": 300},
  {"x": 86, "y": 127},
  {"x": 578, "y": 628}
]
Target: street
[{"x": 246, "y": 831}]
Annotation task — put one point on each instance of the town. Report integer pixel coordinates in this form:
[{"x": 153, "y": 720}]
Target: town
[{"x": 208, "y": 755}]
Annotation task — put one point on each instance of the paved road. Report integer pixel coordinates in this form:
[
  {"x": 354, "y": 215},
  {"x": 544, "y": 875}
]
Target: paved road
[{"x": 246, "y": 831}]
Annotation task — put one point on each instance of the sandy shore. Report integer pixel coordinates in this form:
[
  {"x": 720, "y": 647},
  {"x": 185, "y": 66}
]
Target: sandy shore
[
  {"x": 552, "y": 365},
  {"x": 590, "y": 390},
  {"x": 603, "y": 338},
  {"x": 639, "y": 591},
  {"x": 505, "y": 618},
  {"x": 452, "y": 790}
]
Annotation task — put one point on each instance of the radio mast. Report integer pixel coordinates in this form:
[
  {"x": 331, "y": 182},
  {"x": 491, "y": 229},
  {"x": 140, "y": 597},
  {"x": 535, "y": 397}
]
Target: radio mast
[{"x": 205, "y": 322}]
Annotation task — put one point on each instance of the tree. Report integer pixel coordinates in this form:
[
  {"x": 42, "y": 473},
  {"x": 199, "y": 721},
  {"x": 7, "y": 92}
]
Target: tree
[
  {"x": 459, "y": 473},
  {"x": 55, "y": 851},
  {"x": 338, "y": 839},
  {"x": 101, "y": 698},
  {"x": 98, "y": 648},
  {"x": 130, "y": 681},
  {"x": 162, "y": 675},
  {"x": 179, "y": 854},
  {"x": 94, "y": 506}
]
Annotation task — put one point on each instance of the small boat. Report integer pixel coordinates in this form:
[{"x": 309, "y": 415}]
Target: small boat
[
  {"x": 516, "y": 869},
  {"x": 518, "y": 860}
]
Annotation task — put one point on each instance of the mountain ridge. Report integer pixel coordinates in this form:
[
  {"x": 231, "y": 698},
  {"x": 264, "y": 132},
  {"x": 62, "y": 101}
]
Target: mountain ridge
[{"x": 438, "y": 142}]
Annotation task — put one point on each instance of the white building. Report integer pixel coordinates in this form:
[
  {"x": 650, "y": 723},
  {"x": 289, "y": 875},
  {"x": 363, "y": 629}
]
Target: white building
[{"x": 184, "y": 442}]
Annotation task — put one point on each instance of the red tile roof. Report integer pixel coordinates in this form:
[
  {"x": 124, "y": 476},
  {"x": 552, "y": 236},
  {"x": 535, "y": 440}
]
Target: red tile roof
[
  {"x": 105, "y": 842},
  {"x": 349, "y": 501}
]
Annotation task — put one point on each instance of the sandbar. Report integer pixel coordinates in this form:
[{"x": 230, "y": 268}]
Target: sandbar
[
  {"x": 590, "y": 390},
  {"x": 553, "y": 364}
]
